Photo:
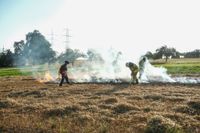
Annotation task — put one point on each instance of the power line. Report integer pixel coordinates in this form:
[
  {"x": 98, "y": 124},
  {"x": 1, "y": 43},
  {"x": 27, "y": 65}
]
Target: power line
[
  {"x": 67, "y": 37},
  {"x": 52, "y": 37},
  {"x": 3, "y": 48}
]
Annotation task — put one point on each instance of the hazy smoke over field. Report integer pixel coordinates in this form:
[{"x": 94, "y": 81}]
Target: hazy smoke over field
[
  {"x": 104, "y": 66},
  {"x": 97, "y": 66},
  {"x": 108, "y": 67}
]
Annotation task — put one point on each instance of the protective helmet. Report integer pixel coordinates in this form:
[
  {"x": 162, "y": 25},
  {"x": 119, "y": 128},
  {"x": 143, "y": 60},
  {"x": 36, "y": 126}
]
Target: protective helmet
[
  {"x": 66, "y": 62},
  {"x": 143, "y": 58}
]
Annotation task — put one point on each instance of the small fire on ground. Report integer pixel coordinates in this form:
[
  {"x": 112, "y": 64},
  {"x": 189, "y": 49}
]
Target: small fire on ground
[{"x": 48, "y": 77}]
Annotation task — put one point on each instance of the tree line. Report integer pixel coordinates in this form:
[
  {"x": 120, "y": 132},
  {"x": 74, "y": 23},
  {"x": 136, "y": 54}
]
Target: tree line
[
  {"x": 168, "y": 52},
  {"x": 35, "y": 49}
]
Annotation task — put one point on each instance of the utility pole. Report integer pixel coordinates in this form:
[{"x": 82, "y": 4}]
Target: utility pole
[
  {"x": 67, "y": 36},
  {"x": 52, "y": 37},
  {"x": 3, "y": 49}
]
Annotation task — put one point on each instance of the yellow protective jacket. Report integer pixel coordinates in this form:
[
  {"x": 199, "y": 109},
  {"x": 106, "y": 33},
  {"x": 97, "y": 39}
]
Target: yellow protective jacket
[{"x": 133, "y": 67}]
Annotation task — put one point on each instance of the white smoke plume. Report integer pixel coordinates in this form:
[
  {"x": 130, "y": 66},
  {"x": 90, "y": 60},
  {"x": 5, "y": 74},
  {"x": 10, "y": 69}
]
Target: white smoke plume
[
  {"x": 159, "y": 74},
  {"x": 155, "y": 74},
  {"x": 110, "y": 69}
]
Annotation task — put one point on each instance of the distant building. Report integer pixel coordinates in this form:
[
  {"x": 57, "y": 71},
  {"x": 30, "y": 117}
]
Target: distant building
[{"x": 164, "y": 57}]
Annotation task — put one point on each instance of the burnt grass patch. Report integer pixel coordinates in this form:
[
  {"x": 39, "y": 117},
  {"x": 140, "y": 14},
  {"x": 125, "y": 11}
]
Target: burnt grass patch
[
  {"x": 4, "y": 104},
  {"x": 195, "y": 105}
]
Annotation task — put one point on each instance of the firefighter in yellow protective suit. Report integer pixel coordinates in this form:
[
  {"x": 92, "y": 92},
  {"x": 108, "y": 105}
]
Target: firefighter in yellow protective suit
[{"x": 134, "y": 70}]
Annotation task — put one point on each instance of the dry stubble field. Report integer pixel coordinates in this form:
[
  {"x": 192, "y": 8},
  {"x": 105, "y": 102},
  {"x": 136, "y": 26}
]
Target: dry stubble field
[{"x": 27, "y": 105}]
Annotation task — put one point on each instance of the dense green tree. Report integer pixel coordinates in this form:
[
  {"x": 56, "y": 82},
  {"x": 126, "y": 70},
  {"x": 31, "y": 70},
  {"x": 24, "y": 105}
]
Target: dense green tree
[
  {"x": 165, "y": 51},
  {"x": 6, "y": 58},
  {"x": 19, "y": 53},
  {"x": 19, "y": 47},
  {"x": 37, "y": 49}
]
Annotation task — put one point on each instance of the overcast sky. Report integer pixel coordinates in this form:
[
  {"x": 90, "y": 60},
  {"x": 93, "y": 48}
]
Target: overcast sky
[{"x": 132, "y": 26}]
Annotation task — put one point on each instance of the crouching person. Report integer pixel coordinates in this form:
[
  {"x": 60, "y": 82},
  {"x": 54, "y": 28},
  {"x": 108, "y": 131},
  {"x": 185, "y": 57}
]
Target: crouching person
[
  {"x": 63, "y": 72},
  {"x": 134, "y": 70}
]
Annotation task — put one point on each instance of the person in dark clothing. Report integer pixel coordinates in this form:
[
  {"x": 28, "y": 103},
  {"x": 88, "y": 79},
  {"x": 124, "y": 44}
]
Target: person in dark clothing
[{"x": 63, "y": 72}]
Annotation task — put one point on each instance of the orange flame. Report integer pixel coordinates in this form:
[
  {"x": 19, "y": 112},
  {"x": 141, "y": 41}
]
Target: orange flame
[{"x": 47, "y": 78}]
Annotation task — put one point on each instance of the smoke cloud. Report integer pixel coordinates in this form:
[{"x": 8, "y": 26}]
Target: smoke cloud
[{"x": 107, "y": 66}]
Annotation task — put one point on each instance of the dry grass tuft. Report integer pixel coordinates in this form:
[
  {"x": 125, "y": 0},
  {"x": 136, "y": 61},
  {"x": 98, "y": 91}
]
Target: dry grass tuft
[
  {"x": 111, "y": 100},
  {"x": 92, "y": 108},
  {"x": 30, "y": 106},
  {"x": 160, "y": 124},
  {"x": 28, "y": 109},
  {"x": 197, "y": 117},
  {"x": 72, "y": 109},
  {"x": 147, "y": 109},
  {"x": 124, "y": 107},
  {"x": 35, "y": 94},
  {"x": 83, "y": 118},
  {"x": 61, "y": 111},
  {"x": 54, "y": 112},
  {"x": 175, "y": 98},
  {"x": 105, "y": 106},
  {"x": 154, "y": 97},
  {"x": 104, "y": 128},
  {"x": 7, "y": 103},
  {"x": 135, "y": 98}
]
